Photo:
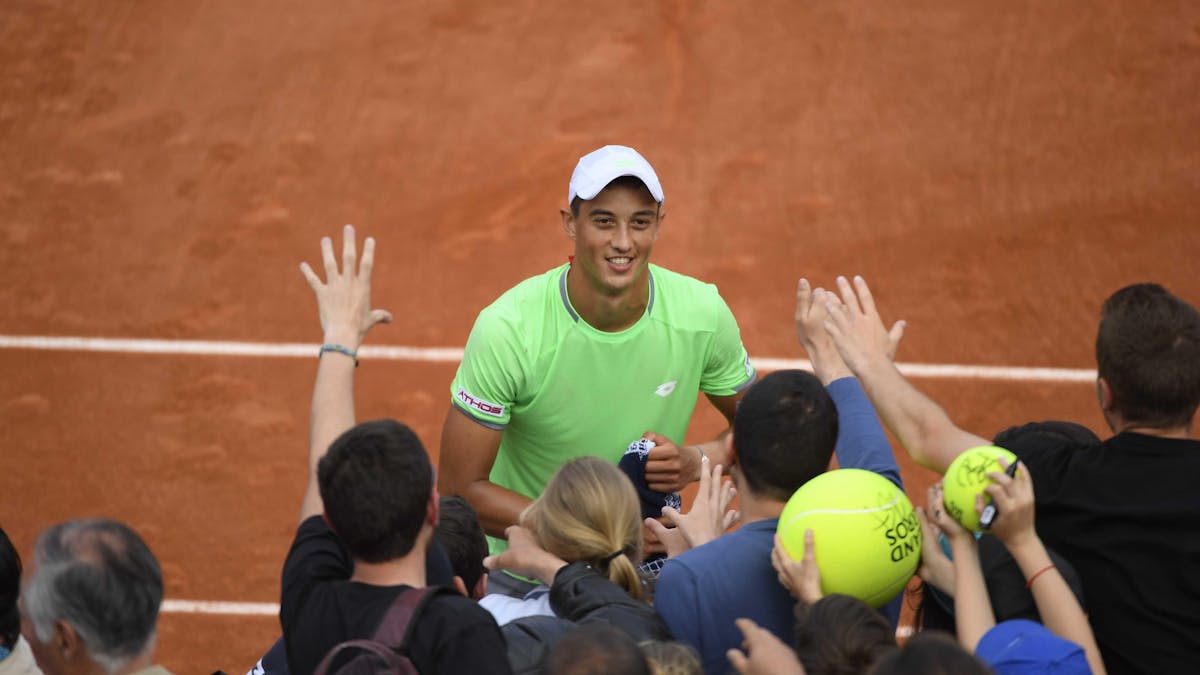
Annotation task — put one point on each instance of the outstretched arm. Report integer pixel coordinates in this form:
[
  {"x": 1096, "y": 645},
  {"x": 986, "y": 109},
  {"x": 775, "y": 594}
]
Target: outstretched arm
[
  {"x": 812, "y": 310},
  {"x": 344, "y": 306},
  {"x": 861, "y": 443},
  {"x": 919, "y": 423},
  {"x": 973, "y": 614},
  {"x": 1060, "y": 610}
]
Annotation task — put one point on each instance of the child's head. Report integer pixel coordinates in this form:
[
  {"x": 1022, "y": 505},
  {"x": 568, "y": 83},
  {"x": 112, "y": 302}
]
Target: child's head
[
  {"x": 667, "y": 657},
  {"x": 930, "y": 653},
  {"x": 840, "y": 634},
  {"x": 590, "y": 511},
  {"x": 459, "y": 532}
]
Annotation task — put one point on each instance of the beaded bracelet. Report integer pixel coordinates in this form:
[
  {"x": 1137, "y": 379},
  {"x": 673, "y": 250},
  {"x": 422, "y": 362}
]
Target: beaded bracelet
[{"x": 340, "y": 349}]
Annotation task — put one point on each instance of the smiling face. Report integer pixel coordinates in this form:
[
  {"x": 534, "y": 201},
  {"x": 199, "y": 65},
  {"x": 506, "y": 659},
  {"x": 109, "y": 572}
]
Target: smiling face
[{"x": 614, "y": 234}]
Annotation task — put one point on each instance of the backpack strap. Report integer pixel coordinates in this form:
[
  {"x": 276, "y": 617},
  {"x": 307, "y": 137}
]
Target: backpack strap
[
  {"x": 394, "y": 661},
  {"x": 398, "y": 623}
]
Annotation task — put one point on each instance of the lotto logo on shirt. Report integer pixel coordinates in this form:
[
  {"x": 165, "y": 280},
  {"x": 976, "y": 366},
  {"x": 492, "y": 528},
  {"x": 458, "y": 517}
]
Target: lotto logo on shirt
[{"x": 479, "y": 404}]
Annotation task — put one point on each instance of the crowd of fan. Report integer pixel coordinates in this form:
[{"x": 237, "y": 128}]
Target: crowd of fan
[{"x": 1107, "y": 527}]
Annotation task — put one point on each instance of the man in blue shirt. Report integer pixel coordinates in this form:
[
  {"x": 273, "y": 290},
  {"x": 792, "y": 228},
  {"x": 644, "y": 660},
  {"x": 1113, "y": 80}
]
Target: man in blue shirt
[{"x": 784, "y": 433}]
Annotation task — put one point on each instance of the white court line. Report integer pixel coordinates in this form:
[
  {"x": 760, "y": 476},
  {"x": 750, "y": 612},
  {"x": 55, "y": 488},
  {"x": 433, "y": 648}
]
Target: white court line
[
  {"x": 220, "y": 607},
  {"x": 454, "y": 355}
]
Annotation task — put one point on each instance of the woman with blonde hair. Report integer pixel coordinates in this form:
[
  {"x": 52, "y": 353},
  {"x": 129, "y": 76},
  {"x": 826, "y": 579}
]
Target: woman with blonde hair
[{"x": 589, "y": 513}]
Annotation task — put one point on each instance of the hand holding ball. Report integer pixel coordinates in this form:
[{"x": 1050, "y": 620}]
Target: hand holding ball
[
  {"x": 967, "y": 477},
  {"x": 867, "y": 541}
]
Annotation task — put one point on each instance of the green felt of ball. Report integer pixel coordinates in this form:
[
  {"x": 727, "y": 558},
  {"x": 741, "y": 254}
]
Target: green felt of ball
[
  {"x": 967, "y": 477},
  {"x": 866, "y": 538}
]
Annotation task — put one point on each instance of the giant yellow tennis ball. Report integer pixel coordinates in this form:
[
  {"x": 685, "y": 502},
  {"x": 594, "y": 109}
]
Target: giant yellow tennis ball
[
  {"x": 967, "y": 477},
  {"x": 866, "y": 537}
]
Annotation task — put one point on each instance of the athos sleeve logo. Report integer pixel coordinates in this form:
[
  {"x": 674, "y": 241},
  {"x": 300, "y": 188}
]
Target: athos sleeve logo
[{"x": 485, "y": 407}]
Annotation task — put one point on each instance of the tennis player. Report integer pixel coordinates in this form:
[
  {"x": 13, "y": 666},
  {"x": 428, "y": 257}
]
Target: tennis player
[{"x": 591, "y": 355}]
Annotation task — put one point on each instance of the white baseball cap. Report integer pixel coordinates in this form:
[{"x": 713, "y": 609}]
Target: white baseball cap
[{"x": 598, "y": 168}]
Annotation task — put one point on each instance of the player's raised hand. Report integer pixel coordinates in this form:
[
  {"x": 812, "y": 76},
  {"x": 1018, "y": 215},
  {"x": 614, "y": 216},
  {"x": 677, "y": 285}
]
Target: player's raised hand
[
  {"x": 856, "y": 328},
  {"x": 344, "y": 298}
]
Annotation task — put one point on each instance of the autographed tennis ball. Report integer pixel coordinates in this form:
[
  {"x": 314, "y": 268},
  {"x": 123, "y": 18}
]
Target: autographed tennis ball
[
  {"x": 866, "y": 537},
  {"x": 967, "y": 477}
]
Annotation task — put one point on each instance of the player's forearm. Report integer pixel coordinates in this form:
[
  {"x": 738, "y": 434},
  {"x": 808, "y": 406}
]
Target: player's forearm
[
  {"x": 716, "y": 451},
  {"x": 498, "y": 507}
]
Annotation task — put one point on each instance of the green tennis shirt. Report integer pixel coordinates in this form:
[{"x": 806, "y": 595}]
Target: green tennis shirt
[{"x": 560, "y": 389}]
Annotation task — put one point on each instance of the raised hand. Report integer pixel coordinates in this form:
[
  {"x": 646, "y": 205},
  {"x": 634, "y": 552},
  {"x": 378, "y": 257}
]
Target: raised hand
[
  {"x": 708, "y": 519},
  {"x": 344, "y": 298},
  {"x": 811, "y": 315},
  {"x": 856, "y": 328}
]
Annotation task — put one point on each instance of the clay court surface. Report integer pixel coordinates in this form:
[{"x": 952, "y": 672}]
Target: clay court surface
[{"x": 995, "y": 170}]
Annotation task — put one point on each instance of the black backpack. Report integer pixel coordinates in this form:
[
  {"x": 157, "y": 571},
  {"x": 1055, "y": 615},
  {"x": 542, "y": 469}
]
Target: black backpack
[{"x": 386, "y": 653}]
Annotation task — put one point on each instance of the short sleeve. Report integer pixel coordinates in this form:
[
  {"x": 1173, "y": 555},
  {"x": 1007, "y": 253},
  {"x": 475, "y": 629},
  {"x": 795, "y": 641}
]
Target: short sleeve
[
  {"x": 727, "y": 370},
  {"x": 488, "y": 380},
  {"x": 316, "y": 555}
]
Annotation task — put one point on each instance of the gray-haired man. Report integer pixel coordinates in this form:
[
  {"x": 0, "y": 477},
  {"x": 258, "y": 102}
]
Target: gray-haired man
[{"x": 91, "y": 604}]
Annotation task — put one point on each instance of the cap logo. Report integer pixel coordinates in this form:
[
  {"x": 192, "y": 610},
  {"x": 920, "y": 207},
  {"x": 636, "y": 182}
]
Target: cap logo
[{"x": 625, "y": 163}]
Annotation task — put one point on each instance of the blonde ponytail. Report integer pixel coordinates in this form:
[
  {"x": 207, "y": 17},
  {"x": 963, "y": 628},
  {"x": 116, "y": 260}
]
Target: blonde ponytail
[{"x": 590, "y": 511}]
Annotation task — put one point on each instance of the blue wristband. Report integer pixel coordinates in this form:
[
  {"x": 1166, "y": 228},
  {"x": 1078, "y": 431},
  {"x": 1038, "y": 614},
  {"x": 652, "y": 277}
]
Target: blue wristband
[{"x": 340, "y": 349}]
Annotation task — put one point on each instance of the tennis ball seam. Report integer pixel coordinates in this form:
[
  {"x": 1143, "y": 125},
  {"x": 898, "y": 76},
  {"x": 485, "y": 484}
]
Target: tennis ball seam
[{"x": 871, "y": 509}]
